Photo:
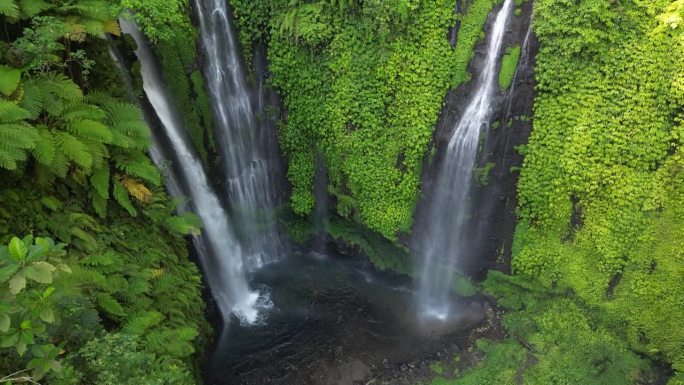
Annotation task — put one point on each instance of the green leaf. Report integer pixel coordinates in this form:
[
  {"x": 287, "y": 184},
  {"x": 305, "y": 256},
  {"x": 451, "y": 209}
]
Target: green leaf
[
  {"x": 9, "y": 77},
  {"x": 4, "y": 323},
  {"x": 100, "y": 181},
  {"x": 21, "y": 348},
  {"x": 9, "y": 8},
  {"x": 17, "y": 283},
  {"x": 8, "y": 271},
  {"x": 48, "y": 292},
  {"x": 9, "y": 340},
  {"x": 31, "y": 8},
  {"x": 110, "y": 305},
  {"x": 40, "y": 272},
  {"x": 47, "y": 315},
  {"x": 17, "y": 249},
  {"x": 51, "y": 202},
  {"x": 121, "y": 196}
]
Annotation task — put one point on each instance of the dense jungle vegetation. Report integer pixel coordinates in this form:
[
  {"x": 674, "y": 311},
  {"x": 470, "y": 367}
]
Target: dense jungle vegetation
[
  {"x": 596, "y": 295},
  {"x": 97, "y": 285}
]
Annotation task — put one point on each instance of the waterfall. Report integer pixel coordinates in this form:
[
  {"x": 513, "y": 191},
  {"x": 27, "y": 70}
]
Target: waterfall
[
  {"x": 243, "y": 152},
  {"x": 320, "y": 213},
  {"x": 443, "y": 243},
  {"x": 218, "y": 249}
]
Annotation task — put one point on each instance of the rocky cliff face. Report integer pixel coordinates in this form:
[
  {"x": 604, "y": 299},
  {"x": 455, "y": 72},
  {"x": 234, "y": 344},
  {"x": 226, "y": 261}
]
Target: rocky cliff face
[{"x": 493, "y": 195}]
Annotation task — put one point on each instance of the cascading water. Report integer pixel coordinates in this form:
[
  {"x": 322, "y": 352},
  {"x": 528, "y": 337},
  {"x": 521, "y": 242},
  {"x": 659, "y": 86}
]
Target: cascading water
[
  {"x": 443, "y": 243},
  {"x": 248, "y": 179},
  {"x": 218, "y": 249}
]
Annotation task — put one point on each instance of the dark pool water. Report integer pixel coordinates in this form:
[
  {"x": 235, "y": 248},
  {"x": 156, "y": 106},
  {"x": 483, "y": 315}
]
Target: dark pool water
[{"x": 334, "y": 320}]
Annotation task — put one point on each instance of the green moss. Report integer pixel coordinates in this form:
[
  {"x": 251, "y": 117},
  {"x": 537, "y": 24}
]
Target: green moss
[
  {"x": 509, "y": 65},
  {"x": 601, "y": 187},
  {"x": 364, "y": 83},
  {"x": 383, "y": 254},
  {"x": 464, "y": 287},
  {"x": 481, "y": 174},
  {"x": 437, "y": 367}
]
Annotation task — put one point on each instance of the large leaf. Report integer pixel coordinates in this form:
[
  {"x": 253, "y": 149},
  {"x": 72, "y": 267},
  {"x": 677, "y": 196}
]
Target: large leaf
[
  {"x": 47, "y": 315},
  {"x": 8, "y": 271},
  {"x": 9, "y": 78},
  {"x": 4, "y": 323},
  {"x": 17, "y": 249},
  {"x": 17, "y": 283},
  {"x": 40, "y": 272}
]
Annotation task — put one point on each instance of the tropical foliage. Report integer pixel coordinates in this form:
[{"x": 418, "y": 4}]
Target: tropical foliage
[
  {"x": 597, "y": 257},
  {"x": 363, "y": 82},
  {"x": 100, "y": 280}
]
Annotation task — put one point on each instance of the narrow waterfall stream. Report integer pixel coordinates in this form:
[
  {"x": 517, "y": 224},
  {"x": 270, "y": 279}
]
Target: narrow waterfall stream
[
  {"x": 218, "y": 249},
  {"x": 247, "y": 158},
  {"x": 443, "y": 242}
]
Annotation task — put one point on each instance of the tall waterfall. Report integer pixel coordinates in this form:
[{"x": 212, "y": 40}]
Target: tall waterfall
[
  {"x": 218, "y": 249},
  {"x": 443, "y": 243},
  {"x": 244, "y": 153}
]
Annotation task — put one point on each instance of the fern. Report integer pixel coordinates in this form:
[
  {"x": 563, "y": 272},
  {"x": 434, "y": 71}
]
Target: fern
[
  {"x": 9, "y": 8},
  {"x": 99, "y": 205},
  {"x": 76, "y": 111},
  {"x": 121, "y": 197},
  {"x": 110, "y": 305},
  {"x": 186, "y": 223},
  {"x": 32, "y": 101},
  {"x": 138, "y": 323},
  {"x": 9, "y": 79},
  {"x": 74, "y": 149},
  {"x": 138, "y": 165},
  {"x": 100, "y": 182},
  {"x": 12, "y": 113},
  {"x": 44, "y": 152},
  {"x": 30, "y": 8}
]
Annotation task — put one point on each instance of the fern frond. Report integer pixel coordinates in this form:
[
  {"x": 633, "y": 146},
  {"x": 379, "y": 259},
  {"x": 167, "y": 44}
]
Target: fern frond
[
  {"x": 110, "y": 305},
  {"x": 138, "y": 323},
  {"x": 9, "y": 79},
  {"x": 186, "y": 223},
  {"x": 60, "y": 163},
  {"x": 9, "y": 158},
  {"x": 33, "y": 98},
  {"x": 12, "y": 113},
  {"x": 44, "y": 152},
  {"x": 100, "y": 181},
  {"x": 137, "y": 190},
  {"x": 9, "y": 8},
  {"x": 99, "y": 205},
  {"x": 76, "y": 111},
  {"x": 30, "y": 8},
  {"x": 90, "y": 129},
  {"x": 20, "y": 135},
  {"x": 73, "y": 149},
  {"x": 138, "y": 165},
  {"x": 121, "y": 197}
]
